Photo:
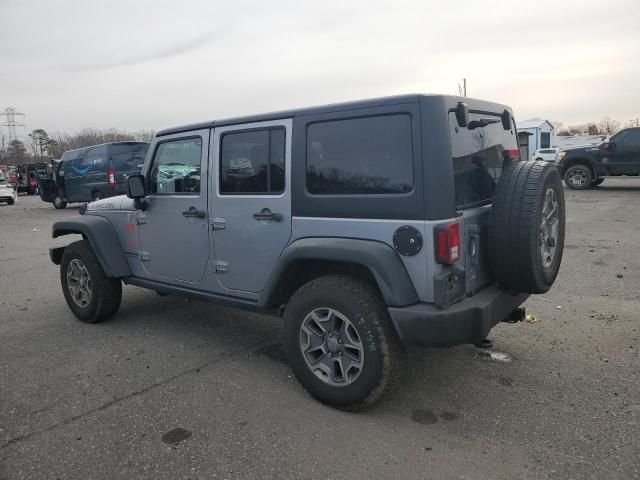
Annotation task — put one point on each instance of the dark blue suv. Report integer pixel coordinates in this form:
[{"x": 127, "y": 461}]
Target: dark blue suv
[{"x": 91, "y": 173}]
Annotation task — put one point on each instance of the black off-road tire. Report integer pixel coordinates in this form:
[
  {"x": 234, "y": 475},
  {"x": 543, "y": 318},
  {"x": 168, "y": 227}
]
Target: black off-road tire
[
  {"x": 597, "y": 182},
  {"x": 362, "y": 304},
  {"x": 59, "y": 203},
  {"x": 516, "y": 227},
  {"x": 578, "y": 177},
  {"x": 106, "y": 292}
]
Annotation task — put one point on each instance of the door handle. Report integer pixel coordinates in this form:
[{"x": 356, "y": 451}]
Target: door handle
[
  {"x": 193, "y": 212},
  {"x": 268, "y": 215}
]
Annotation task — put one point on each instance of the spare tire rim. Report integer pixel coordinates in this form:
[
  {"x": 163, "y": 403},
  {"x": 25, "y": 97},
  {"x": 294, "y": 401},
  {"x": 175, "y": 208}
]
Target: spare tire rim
[
  {"x": 79, "y": 282},
  {"x": 331, "y": 347},
  {"x": 578, "y": 178},
  {"x": 549, "y": 228}
]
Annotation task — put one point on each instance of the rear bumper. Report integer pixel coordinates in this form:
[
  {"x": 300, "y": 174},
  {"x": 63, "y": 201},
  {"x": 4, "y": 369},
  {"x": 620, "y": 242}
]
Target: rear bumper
[{"x": 468, "y": 321}]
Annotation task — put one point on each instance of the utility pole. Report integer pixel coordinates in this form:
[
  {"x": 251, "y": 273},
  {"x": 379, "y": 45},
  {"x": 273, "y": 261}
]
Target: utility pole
[
  {"x": 10, "y": 113},
  {"x": 462, "y": 89}
]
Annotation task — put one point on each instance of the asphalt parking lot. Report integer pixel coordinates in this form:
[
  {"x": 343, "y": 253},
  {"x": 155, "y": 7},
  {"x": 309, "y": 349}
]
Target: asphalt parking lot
[{"x": 177, "y": 388}]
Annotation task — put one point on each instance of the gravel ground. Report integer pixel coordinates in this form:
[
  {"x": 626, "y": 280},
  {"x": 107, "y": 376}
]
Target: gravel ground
[{"x": 177, "y": 388}]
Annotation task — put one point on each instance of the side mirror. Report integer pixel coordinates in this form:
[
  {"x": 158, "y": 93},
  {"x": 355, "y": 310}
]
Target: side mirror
[
  {"x": 609, "y": 146},
  {"x": 135, "y": 187},
  {"x": 136, "y": 190},
  {"x": 462, "y": 114}
]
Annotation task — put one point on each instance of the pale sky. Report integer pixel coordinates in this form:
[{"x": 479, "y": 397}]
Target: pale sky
[{"x": 154, "y": 64}]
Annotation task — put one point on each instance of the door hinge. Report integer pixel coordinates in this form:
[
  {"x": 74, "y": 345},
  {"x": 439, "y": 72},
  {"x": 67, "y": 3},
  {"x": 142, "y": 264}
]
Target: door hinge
[
  {"x": 221, "y": 267},
  {"x": 141, "y": 219},
  {"x": 145, "y": 256},
  {"x": 218, "y": 224}
]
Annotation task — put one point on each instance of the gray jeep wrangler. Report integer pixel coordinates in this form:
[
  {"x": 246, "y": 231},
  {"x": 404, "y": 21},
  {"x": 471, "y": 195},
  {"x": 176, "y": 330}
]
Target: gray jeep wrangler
[{"x": 365, "y": 225}]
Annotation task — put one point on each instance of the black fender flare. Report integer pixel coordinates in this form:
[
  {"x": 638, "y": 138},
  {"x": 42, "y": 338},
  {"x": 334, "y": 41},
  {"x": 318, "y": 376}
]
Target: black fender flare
[
  {"x": 379, "y": 258},
  {"x": 102, "y": 238},
  {"x": 570, "y": 160}
]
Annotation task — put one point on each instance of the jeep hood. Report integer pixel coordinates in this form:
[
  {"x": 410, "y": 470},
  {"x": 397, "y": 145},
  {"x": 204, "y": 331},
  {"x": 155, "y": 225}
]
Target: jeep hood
[{"x": 121, "y": 202}]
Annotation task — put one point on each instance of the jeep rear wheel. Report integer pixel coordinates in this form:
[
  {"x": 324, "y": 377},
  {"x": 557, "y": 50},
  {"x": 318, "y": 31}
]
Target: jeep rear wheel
[
  {"x": 90, "y": 294},
  {"x": 578, "y": 177},
  {"x": 526, "y": 236},
  {"x": 340, "y": 342}
]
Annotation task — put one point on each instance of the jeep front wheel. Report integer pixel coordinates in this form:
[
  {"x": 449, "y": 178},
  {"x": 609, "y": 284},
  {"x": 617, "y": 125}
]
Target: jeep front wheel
[
  {"x": 578, "y": 177},
  {"x": 340, "y": 342},
  {"x": 90, "y": 294}
]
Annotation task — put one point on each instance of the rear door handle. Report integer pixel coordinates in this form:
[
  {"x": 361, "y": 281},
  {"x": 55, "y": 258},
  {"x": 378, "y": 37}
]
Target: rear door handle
[
  {"x": 266, "y": 214},
  {"x": 193, "y": 212}
]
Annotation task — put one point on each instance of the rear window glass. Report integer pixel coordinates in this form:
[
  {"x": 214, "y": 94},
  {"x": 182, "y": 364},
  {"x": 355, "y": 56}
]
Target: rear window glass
[
  {"x": 477, "y": 158},
  {"x": 371, "y": 155}
]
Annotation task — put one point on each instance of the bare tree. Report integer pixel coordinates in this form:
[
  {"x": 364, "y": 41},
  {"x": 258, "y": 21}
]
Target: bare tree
[
  {"x": 608, "y": 126},
  {"x": 39, "y": 141},
  {"x": 557, "y": 126}
]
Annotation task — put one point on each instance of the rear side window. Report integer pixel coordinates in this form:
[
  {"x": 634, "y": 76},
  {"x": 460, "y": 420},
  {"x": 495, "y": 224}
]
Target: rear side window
[
  {"x": 81, "y": 167},
  {"x": 370, "y": 155},
  {"x": 176, "y": 167},
  {"x": 477, "y": 157},
  {"x": 128, "y": 159},
  {"x": 252, "y": 162}
]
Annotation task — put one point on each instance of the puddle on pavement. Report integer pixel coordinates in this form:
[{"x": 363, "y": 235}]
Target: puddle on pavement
[{"x": 175, "y": 436}]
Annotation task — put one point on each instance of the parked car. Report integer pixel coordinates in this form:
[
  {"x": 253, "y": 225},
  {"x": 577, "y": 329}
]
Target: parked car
[
  {"x": 28, "y": 175},
  {"x": 7, "y": 191},
  {"x": 546, "y": 154},
  {"x": 366, "y": 225},
  {"x": 587, "y": 167},
  {"x": 92, "y": 173}
]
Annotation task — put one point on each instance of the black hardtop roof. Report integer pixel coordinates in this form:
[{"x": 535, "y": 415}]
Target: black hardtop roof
[
  {"x": 334, "y": 107},
  {"x": 97, "y": 149}
]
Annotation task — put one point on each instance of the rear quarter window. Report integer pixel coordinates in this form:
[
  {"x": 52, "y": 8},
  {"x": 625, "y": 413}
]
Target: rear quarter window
[
  {"x": 477, "y": 156},
  {"x": 368, "y": 155}
]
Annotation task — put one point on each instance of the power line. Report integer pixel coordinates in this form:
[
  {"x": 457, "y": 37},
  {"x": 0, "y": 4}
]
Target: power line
[{"x": 11, "y": 113}]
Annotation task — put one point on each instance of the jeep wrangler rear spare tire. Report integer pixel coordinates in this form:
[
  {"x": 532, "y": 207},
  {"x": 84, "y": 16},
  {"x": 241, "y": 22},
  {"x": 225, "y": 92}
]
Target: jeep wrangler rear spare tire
[
  {"x": 91, "y": 295},
  {"x": 340, "y": 342},
  {"x": 526, "y": 237}
]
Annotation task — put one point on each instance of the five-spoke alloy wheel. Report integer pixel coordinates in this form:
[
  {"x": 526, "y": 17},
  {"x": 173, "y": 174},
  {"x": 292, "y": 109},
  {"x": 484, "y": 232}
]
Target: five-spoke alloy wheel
[
  {"x": 549, "y": 228},
  {"x": 79, "y": 282},
  {"x": 331, "y": 347},
  {"x": 340, "y": 342},
  {"x": 91, "y": 295}
]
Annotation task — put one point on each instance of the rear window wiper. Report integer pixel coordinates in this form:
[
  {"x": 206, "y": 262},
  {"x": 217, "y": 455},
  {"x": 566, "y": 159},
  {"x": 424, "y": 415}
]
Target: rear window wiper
[{"x": 483, "y": 122}]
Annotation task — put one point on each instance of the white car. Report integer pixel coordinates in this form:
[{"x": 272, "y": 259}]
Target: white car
[
  {"x": 547, "y": 154},
  {"x": 7, "y": 192}
]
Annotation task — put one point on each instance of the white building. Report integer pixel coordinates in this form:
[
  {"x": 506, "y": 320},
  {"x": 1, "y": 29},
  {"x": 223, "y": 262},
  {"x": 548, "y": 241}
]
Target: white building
[{"x": 533, "y": 135}]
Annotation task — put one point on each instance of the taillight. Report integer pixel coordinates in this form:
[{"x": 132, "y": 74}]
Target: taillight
[
  {"x": 112, "y": 178},
  {"x": 448, "y": 243},
  {"x": 513, "y": 154}
]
